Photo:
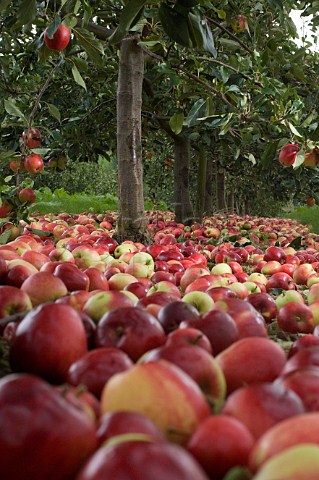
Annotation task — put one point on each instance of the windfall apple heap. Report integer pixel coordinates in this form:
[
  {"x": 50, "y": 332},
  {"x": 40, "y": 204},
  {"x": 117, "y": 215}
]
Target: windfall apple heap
[{"x": 159, "y": 361}]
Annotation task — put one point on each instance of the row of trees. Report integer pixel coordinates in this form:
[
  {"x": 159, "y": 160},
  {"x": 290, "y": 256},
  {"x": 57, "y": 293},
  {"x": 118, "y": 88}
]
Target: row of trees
[{"x": 222, "y": 86}]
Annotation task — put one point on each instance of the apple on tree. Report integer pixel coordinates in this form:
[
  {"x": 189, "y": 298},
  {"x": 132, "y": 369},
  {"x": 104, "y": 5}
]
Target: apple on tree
[
  {"x": 59, "y": 39},
  {"x": 33, "y": 163},
  {"x": 288, "y": 154},
  {"x": 31, "y": 137}
]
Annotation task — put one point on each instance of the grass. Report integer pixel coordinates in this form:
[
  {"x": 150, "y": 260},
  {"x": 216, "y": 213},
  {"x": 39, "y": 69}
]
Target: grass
[
  {"x": 307, "y": 216},
  {"x": 60, "y": 201}
]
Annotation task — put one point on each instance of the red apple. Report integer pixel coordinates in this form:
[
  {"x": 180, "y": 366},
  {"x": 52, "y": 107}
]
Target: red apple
[
  {"x": 73, "y": 278},
  {"x": 265, "y": 304},
  {"x": 52, "y": 438},
  {"x": 33, "y": 349},
  {"x": 43, "y": 287},
  {"x": 173, "y": 313},
  {"x": 104, "y": 301},
  {"x": 31, "y": 137},
  {"x": 288, "y": 154},
  {"x": 305, "y": 357},
  {"x": 262, "y": 405},
  {"x": 188, "y": 336},
  {"x": 33, "y": 163},
  {"x": 305, "y": 383},
  {"x": 295, "y": 317},
  {"x": 96, "y": 367},
  {"x": 219, "y": 327},
  {"x": 59, "y": 40},
  {"x": 302, "y": 342},
  {"x": 130, "y": 329},
  {"x": 13, "y": 300},
  {"x": 147, "y": 460},
  {"x": 240, "y": 360},
  {"x": 220, "y": 443}
]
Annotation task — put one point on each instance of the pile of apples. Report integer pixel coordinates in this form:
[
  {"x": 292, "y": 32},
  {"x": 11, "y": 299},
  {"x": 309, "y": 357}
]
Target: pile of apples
[{"x": 157, "y": 361}]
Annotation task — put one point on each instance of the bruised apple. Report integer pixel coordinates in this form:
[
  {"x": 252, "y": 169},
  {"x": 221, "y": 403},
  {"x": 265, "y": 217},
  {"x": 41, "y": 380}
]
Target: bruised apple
[{"x": 162, "y": 392}]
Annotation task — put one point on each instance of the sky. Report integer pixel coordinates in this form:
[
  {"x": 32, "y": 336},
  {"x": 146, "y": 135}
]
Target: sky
[{"x": 301, "y": 25}]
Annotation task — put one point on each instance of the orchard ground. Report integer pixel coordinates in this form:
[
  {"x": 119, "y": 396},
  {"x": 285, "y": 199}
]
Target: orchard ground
[{"x": 98, "y": 325}]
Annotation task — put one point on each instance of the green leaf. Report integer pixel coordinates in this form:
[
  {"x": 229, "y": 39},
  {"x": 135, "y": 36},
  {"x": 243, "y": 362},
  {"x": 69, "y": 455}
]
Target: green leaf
[
  {"x": 195, "y": 112},
  {"x": 294, "y": 130},
  {"x": 300, "y": 158},
  {"x": 52, "y": 28},
  {"x": 11, "y": 108},
  {"x": 7, "y": 155},
  {"x": 78, "y": 77},
  {"x": 268, "y": 154},
  {"x": 131, "y": 12},
  {"x": 201, "y": 34},
  {"x": 4, "y": 4},
  {"x": 54, "y": 111},
  {"x": 296, "y": 243},
  {"x": 175, "y": 25},
  {"x": 27, "y": 11},
  {"x": 4, "y": 237},
  {"x": 228, "y": 43},
  {"x": 176, "y": 122},
  {"x": 91, "y": 45}
]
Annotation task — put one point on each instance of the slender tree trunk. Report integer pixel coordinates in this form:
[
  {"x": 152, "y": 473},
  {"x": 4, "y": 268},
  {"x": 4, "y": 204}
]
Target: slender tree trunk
[
  {"x": 183, "y": 207},
  {"x": 208, "y": 205},
  {"x": 231, "y": 201},
  {"x": 132, "y": 221},
  {"x": 201, "y": 185},
  {"x": 220, "y": 189}
]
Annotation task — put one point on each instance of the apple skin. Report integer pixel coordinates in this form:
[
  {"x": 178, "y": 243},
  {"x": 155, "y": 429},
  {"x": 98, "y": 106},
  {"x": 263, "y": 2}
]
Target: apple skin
[
  {"x": 31, "y": 137},
  {"x": 305, "y": 341},
  {"x": 33, "y": 163},
  {"x": 295, "y": 317},
  {"x": 43, "y": 287},
  {"x": 298, "y": 462},
  {"x": 219, "y": 293},
  {"x": 172, "y": 314},
  {"x": 239, "y": 360},
  {"x": 302, "y": 273},
  {"x": 220, "y": 443},
  {"x": 30, "y": 411},
  {"x": 131, "y": 329},
  {"x": 200, "y": 365},
  {"x": 97, "y": 280},
  {"x": 191, "y": 274},
  {"x": 287, "y": 296},
  {"x": 73, "y": 278},
  {"x": 60, "y": 39},
  {"x": 200, "y": 300},
  {"x": 262, "y": 405},
  {"x": 147, "y": 460},
  {"x": 13, "y": 300},
  {"x": 303, "y": 358},
  {"x": 33, "y": 350},
  {"x": 219, "y": 327},
  {"x": 295, "y": 430},
  {"x": 103, "y": 301},
  {"x": 188, "y": 336},
  {"x": 96, "y": 367},
  {"x": 171, "y": 399},
  {"x": 265, "y": 304},
  {"x": 305, "y": 383},
  {"x": 248, "y": 320},
  {"x": 115, "y": 424}
]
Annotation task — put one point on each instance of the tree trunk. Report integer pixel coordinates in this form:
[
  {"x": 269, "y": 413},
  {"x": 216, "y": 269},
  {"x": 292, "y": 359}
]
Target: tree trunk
[
  {"x": 208, "y": 205},
  {"x": 220, "y": 189},
  {"x": 201, "y": 185},
  {"x": 132, "y": 221},
  {"x": 183, "y": 207}
]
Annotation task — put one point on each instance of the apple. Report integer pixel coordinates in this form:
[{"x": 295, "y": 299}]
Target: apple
[
  {"x": 172, "y": 314},
  {"x": 288, "y": 154},
  {"x": 275, "y": 253},
  {"x": 139, "y": 270},
  {"x": 60, "y": 38},
  {"x": 202, "y": 284},
  {"x": 52, "y": 438},
  {"x": 295, "y": 317},
  {"x": 33, "y": 163},
  {"x": 219, "y": 443},
  {"x": 248, "y": 320},
  {"x": 271, "y": 267},
  {"x": 61, "y": 254},
  {"x": 161, "y": 391},
  {"x": 119, "y": 280},
  {"x": 165, "y": 286},
  {"x": 43, "y": 287},
  {"x": 202, "y": 301},
  {"x": 76, "y": 299},
  {"x": 302, "y": 273},
  {"x": 130, "y": 329},
  {"x": 144, "y": 258},
  {"x": 73, "y": 278},
  {"x": 18, "y": 270},
  {"x": 124, "y": 248},
  {"x": 219, "y": 327},
  {"x": 302, "y": 342},
  {"x": 31, "y": 137},
  {"x": 27, "y": 195},
  {"x": 81, "y": 399},
  {"x": 103, "y": 301},
  {"x": 265, "y": 304},
  {"x": 221, "y": 268},
  {"x": 96, "y": 367},
  {"x": 188, "y": 336},
  {"x": 239, "y": 361},
  {"x": 313, "y": 294},
  {"x": 219, "y": 293},
  {"x": 36, "y": 259},
  {"x": 13, "y": 300},
  {"x": 124, "y": 425},
  {"x": 85, "y": 256},
  {"x": 160, "y": 275},
  {"x": 200, "y": 365},
  {"x": 33, "y": 350},
  {"x": 240, "y": 290},
  {"x": 97, "y": 279},
  {"x": 296, "y": 430},
  {"x": 191, "y": 274},
  {"x": 305, "y": 357},
  {"x": 305, "y": 383},
  {"x": 260, "y": 406},
  {"x": 137, "y": 288},
  {"x": 297, "y": 462},
  {"x": 287, "y": 296},
  {"x": 140, "y": 457}
]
